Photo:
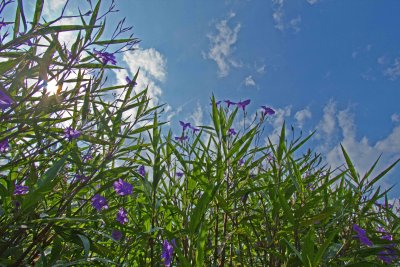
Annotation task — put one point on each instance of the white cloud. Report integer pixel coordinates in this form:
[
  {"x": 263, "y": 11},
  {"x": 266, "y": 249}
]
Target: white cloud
[
  {"x": 362, "y": 153},
  {"x": 53, "y": 8},
  {"x": 393, "y": 72},
  {"x": 249, "y": 81},
  {"x": 328, "y": 122},
  {"x": 152, "y": 66},
  {"x": 221, "y": 46},
  {"x": 278, "y": 15},
  {"x": 395, "y": 117},
  {"x": 261, "y": 69},
  {"x": 295, "y": 24},
  {"x": 382, "y": 60},
  {"x": 302, "y": 115},
  {"x": 197, "y": 115},
  {"x": 277, "y": 121},
  {"x": 312, "y": 2}
]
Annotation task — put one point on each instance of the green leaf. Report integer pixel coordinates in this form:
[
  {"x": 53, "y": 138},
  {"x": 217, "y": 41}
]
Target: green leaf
[
  {"x": 45, "y": 184},
  {"x": 201, "y": 245},
  {"x": 38, "y": 12},
  {"x": 350, "y": 166},
  {"x": 86, "y": 244}
]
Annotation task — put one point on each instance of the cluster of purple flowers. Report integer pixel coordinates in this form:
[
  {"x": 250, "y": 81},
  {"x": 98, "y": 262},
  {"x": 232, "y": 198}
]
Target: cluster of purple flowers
[
  {"x": 99, "y": 202},
  {"x": 168, "y": 251},
  {"x": 71, "y": 134},
  {"x": 123, "y": 188},
  {"x": 231, "y": 132},
  {"x": 122, "y": 216},
  {"x": 106, "y": 57},
  {"x": 388, "y": 254},
  {"x": 244, "y": 103}
]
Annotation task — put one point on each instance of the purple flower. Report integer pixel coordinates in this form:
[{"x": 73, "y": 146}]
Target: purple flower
[
  {"x": 231, "y": 132},
  {"x": 5, "y": 100},
  {"x": 194, "y": 129},
  {"x": 123, "y": 188},
  {"x": 179, "y": 174},
  {"x": 362, "y": 235},
  {"x": 2, "y": 24},
  {"x": 167, "y": 252},
  {"x": 4, "y": 146},
  {"x": 241, "y": 162},
  {"x": 229, "y": 103},
  {"x": 122, "y": 216},
  {"x": 181, "y": 138},
  {"x": 21, "y": 190},
  {"x": 70, "y": 133},
  {"x": 268, "y": 111},
  {"x": 99, "y": 202},
  {"x": 80, "y": 177},
  {"x": 129, "y": 81},
  {"x": 142, "y": 171},
  {"x": 388, "y": 255},
  {"x": 243, "y": 104},
  {"x": 106, "y": 57},
  {"x": 87, "y": 157},
  {"x": 216, "y": 103},
  {"x": 185, "y": 125},
  {"x": 116, "y": 235}
]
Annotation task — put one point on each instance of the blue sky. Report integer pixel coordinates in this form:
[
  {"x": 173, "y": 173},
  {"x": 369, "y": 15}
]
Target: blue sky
[{"x": 328, "y": 65}]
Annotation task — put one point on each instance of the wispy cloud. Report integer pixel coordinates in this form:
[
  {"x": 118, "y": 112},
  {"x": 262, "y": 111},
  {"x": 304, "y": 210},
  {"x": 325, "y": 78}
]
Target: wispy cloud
[
  {"x": 312, "y": 2},
  {"x": 222, "y": 45},
  {"x": 328, "y": 121},
  {"x": 261, "y": 69},
  {"x": 393, "y": 72},
  {"x": 361, "y": 151},
  {"x": 301, "y": 116},
  {"x": 395, "y": 117},
  {"x": 153, "y": 71},
  {"x": 197, "y": 115},
  {"x": 278, "y": 15},
  {"x": 249, "y": 81}
]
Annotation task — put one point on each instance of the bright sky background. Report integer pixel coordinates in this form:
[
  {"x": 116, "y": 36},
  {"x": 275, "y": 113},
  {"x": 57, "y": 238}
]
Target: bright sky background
[{"x": 328, "y": 65}]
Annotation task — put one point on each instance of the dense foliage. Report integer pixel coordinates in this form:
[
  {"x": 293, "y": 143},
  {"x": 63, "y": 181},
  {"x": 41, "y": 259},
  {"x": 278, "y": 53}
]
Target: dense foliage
[{"x": 87, "y": 176}]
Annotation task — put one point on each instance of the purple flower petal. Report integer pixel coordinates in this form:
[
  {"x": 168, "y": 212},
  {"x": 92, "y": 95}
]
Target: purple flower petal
[
  {"x": 106, "y": 57},
  {"x": 181, "y": 138},
  {"x": 70, "y": 133},
  {"x": 167, "y": 252},
  {"x": 229, "y": 103},
  {"x": 99, "y": 202},
  {"x": 21, "y": 190},
  {"x": 122, "y": 216},
  {"x": 268, "y": 111},
  {"x": 123, "y": 188},
  {"x": 142, "y": 171},
  {"x": 5, "y": 100},
  {"x": 243, "y": 104},
  {"x": 116, "y": 235},
  {"x": 185, "y": 125},
  {"x": 4, "y": 146},
  {"x": 231, "y": 132}
]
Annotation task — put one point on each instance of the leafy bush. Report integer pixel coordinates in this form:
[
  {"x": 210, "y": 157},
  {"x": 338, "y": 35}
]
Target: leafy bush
[{"x": 88, "y": 177}]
